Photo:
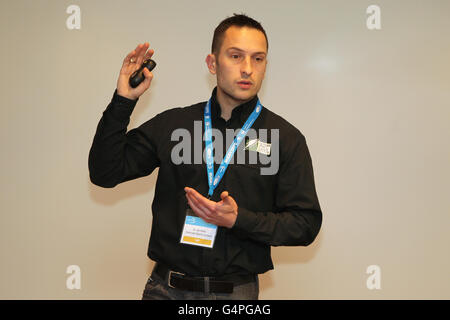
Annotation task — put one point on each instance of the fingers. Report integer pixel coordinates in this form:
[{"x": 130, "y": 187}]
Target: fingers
[
  {"x": 201, "y": 200},
  {"x": 138, "y": 55},
  {"x": 199, "y": 211},
  {"x": 149, "y": 54},
  {"x": 227, "y": 202},
  {"x": 140, "y": 52},
  {"x": 223, "y": 213},
  {"x": 202, "y": 207},
  {"x": 199, "y": 204},
  {"x": 127, "y": 59}
]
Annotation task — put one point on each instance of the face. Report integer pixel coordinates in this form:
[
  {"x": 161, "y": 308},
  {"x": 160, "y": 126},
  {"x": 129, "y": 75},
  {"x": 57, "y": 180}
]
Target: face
[{"x": 240, "y": 64}]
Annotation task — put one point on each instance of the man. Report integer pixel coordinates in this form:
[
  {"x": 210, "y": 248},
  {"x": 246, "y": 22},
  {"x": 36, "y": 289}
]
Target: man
[{"x": 216, "y": 212}]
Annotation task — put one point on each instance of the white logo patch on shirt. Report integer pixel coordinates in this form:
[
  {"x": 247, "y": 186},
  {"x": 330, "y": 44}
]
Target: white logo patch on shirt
[{"x": 258, "y": 146}]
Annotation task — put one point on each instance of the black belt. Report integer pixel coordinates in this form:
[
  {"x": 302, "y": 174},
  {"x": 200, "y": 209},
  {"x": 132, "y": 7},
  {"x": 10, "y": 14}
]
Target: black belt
[{"x": 224, "y": 284}]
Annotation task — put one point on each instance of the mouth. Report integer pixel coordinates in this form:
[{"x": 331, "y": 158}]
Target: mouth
[{"x": 244, "y": 84}]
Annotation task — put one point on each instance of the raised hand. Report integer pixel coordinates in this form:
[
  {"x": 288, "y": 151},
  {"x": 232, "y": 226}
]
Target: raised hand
[{"x": 131, "y": 63}]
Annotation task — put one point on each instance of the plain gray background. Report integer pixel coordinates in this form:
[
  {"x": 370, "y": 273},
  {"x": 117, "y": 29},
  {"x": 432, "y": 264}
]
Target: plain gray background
[{"x": 373, "y": 105}]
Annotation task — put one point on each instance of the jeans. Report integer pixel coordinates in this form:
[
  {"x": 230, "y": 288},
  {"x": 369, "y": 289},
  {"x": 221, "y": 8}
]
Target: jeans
[{"x": 158, "y": 289}]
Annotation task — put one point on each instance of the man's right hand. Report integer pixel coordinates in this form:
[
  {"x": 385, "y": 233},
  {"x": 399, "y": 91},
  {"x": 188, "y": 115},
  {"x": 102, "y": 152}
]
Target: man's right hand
[{"x": 138, "y": 55}]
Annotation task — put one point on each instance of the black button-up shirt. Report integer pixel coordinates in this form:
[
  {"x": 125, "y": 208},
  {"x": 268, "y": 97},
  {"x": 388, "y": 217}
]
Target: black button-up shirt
[{"x": 279, "y": 208}]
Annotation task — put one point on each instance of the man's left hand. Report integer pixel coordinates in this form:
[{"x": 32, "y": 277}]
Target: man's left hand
[{"x": 222, "y": 213}]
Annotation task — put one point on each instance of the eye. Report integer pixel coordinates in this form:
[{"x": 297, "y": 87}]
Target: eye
[{"x": 235, "y": 56}]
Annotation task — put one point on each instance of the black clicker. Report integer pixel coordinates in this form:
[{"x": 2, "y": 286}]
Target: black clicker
[{"x": 138, "y": 76}]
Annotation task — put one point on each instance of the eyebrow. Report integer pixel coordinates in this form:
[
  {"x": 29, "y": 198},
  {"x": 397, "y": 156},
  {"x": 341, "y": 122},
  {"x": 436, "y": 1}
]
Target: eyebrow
[{"x": 238, "y": 49}]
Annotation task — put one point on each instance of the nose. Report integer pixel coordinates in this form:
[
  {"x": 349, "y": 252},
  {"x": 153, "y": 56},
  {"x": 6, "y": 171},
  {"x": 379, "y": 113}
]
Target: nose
[{"x": 246, "y": 67}]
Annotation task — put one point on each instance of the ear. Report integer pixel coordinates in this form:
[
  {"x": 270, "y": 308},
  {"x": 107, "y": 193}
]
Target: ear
[{"x": 211, "y": 63}]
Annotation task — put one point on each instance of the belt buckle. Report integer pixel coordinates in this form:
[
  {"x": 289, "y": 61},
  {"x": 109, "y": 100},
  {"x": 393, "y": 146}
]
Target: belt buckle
[{"x": 170, "y": 277}]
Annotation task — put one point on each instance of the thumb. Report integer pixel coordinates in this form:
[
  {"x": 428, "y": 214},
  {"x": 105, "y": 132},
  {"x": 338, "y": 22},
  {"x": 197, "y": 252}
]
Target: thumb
[
  {"x": 227, "y": 199},
  {"x": 148, "y": 76},
  {"x": 223, "y": 195}
]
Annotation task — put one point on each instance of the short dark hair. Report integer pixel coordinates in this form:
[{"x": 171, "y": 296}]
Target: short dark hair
[{"x": 238, "y": 20}]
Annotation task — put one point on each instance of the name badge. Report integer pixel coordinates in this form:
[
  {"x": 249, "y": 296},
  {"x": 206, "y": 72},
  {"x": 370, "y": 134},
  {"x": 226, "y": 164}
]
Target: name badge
[{"x": 197, "y": 232}]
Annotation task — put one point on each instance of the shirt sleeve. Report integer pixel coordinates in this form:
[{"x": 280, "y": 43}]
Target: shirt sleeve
[
  {"x": 299, "y": 218},
  {"x": 117, "y": 155}
]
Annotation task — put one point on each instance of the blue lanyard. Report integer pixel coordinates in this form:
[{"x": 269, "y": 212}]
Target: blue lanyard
[{"x": 213, "y": 181}]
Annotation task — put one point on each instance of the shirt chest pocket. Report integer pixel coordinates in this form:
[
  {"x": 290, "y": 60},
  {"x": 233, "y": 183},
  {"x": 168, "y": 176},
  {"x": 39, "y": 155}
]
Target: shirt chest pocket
[{"x": 250, "y": 188}]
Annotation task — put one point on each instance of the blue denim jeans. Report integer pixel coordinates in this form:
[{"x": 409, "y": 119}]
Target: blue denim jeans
[{"x": 157, "y": 288}]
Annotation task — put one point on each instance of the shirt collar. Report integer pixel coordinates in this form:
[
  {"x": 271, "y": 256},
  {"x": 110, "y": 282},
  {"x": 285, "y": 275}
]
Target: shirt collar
[{"x": 242, "y": 111}]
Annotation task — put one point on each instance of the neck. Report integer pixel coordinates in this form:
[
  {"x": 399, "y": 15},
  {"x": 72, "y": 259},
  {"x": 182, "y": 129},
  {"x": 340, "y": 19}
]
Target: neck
[{"x": 227, "y": 103}]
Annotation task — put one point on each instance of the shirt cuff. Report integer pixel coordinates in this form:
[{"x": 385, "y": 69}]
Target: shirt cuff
[
  {"x": 122, "y": 107},
  {"x": 245, "y": 221}
]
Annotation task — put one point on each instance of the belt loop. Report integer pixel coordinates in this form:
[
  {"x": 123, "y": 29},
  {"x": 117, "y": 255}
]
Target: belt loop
[{"x": 206, "y": 285}]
